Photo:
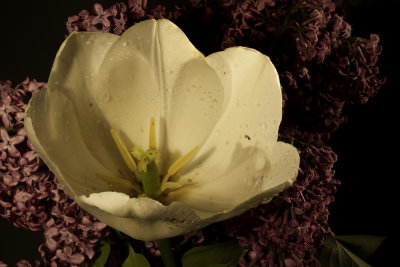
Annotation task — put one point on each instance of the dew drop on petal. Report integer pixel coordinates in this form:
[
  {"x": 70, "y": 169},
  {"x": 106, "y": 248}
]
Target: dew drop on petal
[
  {"x": 105, "y": 98},
  {"x": 263, "y": 126}
]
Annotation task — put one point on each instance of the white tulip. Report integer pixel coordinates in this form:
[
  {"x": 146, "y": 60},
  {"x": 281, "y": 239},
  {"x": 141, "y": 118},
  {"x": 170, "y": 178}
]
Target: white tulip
[{"x": 222, "y": 111}]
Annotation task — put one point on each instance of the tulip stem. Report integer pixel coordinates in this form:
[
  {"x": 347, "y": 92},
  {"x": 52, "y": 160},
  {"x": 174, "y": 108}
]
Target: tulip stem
[{"x": 166, "y": 252}]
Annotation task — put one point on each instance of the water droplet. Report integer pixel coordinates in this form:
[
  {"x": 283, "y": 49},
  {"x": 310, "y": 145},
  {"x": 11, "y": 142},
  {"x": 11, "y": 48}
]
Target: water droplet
[
  {"x": 263, "y": 126},
  {"x": 67, "y": 122},
  {"x": 66, "y": 138},
  {"x": 217, "y": 133},
  {"x": 88, "y": 42},
  {"x": 106, "y": 98},
  {"x": 202, "y": 99}
]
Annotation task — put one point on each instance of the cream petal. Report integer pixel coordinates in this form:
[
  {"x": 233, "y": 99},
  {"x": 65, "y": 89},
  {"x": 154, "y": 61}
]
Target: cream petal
[
  {"x": 240, "y": 189},
  {"x": 64, "y": 124},
  {"x": 115, "y": 203},
  {"x": 141, "y": 218},
  {"x": 144, "y": 75},
  {"x": 56, "y": 137},
  {"x": 252, "y": 112}
]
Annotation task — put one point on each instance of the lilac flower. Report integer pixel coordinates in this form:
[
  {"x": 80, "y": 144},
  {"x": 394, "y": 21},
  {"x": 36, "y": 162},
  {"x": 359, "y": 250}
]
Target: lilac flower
[
  {"x": 5, "y": 109},
  {"x": 66, "y": 255},
  {"x": 10, "y": 142},
  {"x": 136, "y": 8},
  {"x": 72, "y": 25},
  {"x": 5, "y": 89},
  {"x": 86, "y": 21},
  {"x": 102, "y": 17},
  {"x": 119, "y": 18},
  {"x": 10, "y": 180},
  {"x": 28, "y": 163}
]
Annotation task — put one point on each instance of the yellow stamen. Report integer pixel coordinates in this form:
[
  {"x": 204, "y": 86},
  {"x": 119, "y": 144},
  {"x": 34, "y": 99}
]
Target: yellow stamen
[
  {"x": 125, "y": 153},
  {"x": 170, "y": 185},
  {"x": 152, "y": 134},
  {"x": 177, "y": 165},
  {"x": 119, "y": 182}
]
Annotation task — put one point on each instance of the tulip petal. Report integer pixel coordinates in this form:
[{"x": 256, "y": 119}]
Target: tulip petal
[
  {"x": 250, "y": 120},
  {"x": 141, "y": 218},
  {"x": 241, "y": 189},
  {"x": 62, "y": 119},
  {"x": 245, "y": 136}
]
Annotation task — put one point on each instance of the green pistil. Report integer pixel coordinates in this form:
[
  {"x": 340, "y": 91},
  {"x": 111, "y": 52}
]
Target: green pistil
[{"x": 150, "y": 180}]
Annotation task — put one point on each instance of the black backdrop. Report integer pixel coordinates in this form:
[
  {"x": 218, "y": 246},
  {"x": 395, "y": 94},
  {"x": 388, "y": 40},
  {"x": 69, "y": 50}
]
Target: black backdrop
[{"x": 367, "y": 146}]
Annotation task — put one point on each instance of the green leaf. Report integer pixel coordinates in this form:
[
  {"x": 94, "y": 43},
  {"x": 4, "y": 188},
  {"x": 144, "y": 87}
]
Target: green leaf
[
  {"x": 104, "y": 253},
  {"x": 334, "y": 254},
  {"x": 219, "y": 255},
  {"x": 135, "y": 259},
  {"x": 362, "y": 245}
]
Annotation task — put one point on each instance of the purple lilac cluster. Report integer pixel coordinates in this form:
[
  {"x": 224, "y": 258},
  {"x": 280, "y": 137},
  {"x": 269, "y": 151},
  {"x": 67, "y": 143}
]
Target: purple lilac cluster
[
  {"x": 323, "y": 69},
  {"x": 30, "y": 197},
  {"x": 115, "y": 19}
]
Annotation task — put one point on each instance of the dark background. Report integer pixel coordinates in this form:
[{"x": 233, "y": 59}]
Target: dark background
[{"x": 366, "y": 203}]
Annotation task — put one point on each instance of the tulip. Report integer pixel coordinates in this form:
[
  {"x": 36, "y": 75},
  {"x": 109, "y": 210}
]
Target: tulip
[{"x": 155, "y": 139}]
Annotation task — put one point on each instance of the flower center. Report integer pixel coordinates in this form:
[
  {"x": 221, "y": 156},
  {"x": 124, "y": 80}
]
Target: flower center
[{"x": 143, "y": 164}]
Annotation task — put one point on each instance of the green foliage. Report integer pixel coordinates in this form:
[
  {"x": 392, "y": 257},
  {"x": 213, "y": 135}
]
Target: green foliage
[
  {"x": 104, "y": 253},
  {"x": 362, "y": 245},
  {"x": 135, "y": 259},
  {"x": 224, "y": 254},
  {"x": 335, "y": 254}
]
